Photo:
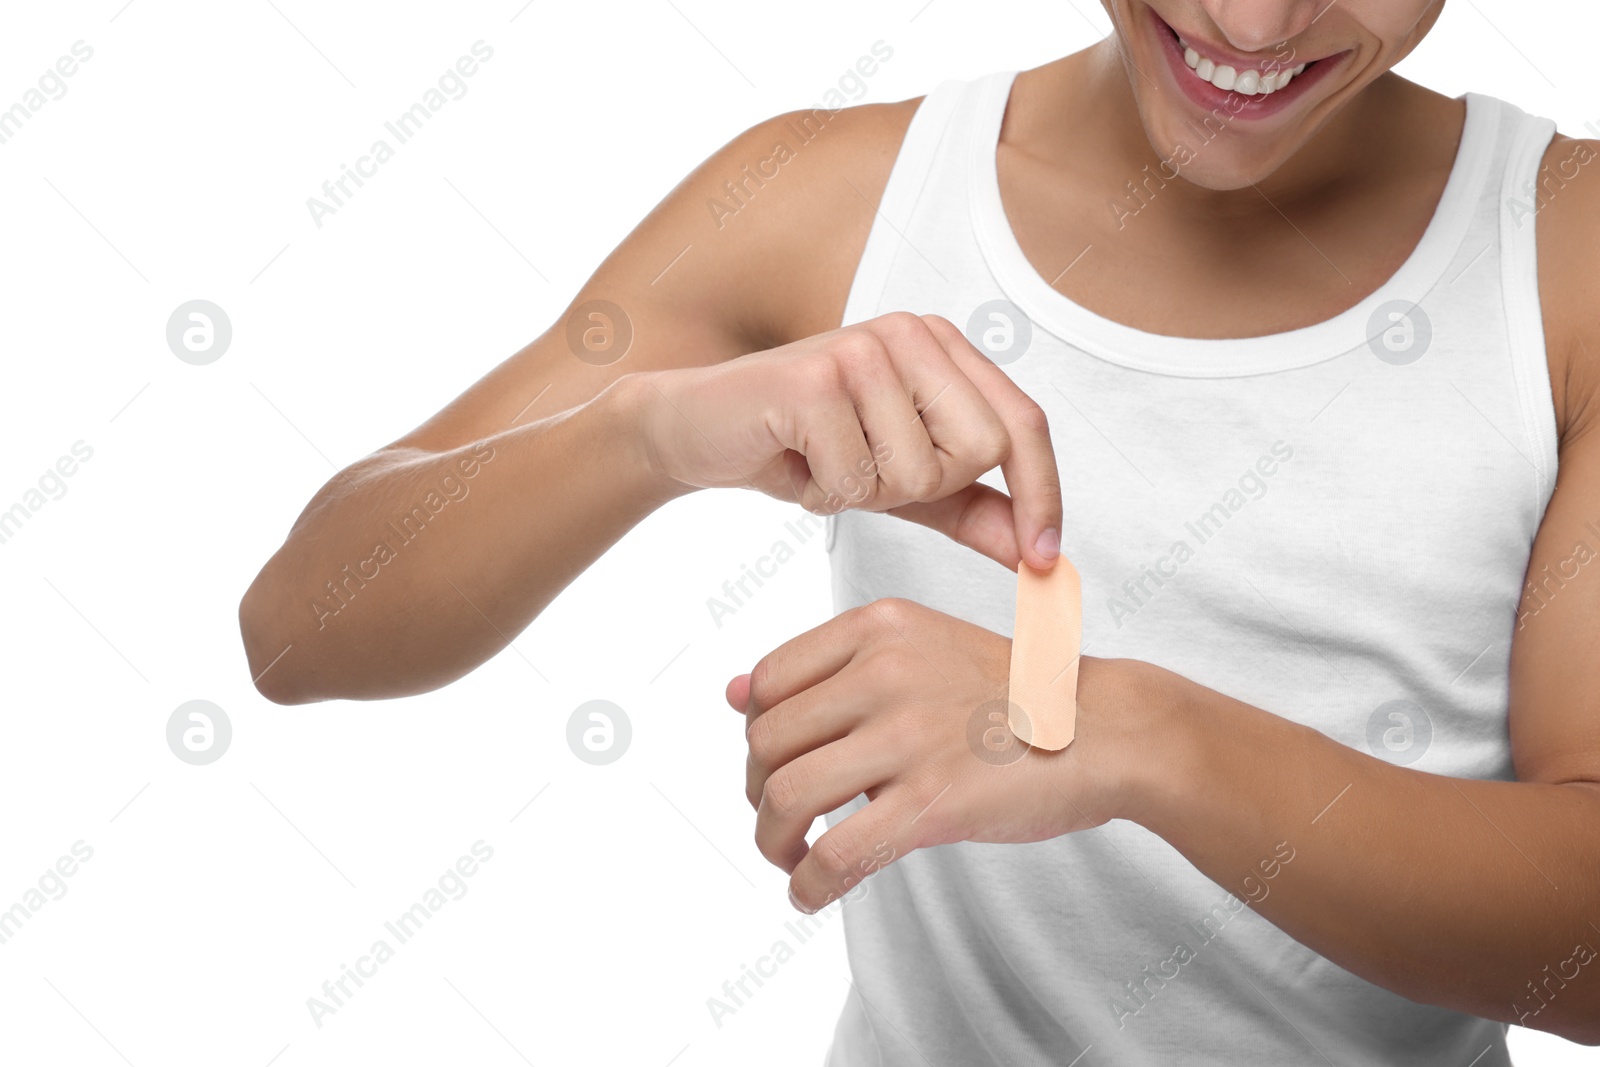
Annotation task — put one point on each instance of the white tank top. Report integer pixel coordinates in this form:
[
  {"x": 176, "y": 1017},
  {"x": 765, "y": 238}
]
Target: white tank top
[{"x": 1330, "y": 523}]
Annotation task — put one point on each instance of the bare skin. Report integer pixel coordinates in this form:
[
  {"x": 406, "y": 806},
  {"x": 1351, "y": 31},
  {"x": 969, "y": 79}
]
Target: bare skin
[{"x": 754, "y": 309}]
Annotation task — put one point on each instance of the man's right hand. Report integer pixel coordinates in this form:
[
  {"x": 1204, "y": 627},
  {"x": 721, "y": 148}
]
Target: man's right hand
[{"x": 898, "y": 414}]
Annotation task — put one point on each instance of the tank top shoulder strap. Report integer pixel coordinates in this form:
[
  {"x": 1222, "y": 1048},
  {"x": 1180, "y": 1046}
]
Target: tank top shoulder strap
[
  {"x": 1516, "y": 201},
  {"x": 915, "y": 163}
]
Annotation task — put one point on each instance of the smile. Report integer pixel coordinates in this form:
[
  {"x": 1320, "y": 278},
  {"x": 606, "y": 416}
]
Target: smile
[
  {"x": 1248, "y": 86},
  {"x": 1245, "y": 82}
]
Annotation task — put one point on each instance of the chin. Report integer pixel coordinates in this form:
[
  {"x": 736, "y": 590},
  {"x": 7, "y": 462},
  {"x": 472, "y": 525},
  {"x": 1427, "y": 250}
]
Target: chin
[
  {"x": 1221, "y": 118},
  {"x": 1223, "y": 164}
]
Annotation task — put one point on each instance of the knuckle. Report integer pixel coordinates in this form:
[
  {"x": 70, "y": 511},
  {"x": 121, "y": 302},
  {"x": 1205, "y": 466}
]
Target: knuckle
[
  {"x": 902, "y": 326},
  {"x": 894, "y": 612},
  {"x": 863, "y": 619},
  {"x": 924, "y": 480},
  {"x": 861, "y": 616},
  {"x": 762, "y": 686},
  {"x": 1031, "y": 416},
  {"x": 835, "y": 855},
  {"x": 859, "y": 347},
  {"x": 858, "y": 490},
  {"x": 993, "y": 446},
  {"x": 763, "y": 741},
  {"x": 781, "y": 794}
]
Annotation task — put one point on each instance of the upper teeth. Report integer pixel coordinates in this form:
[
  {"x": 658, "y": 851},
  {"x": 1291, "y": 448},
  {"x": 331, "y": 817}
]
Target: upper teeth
[{"x": 1247, "y": 83}]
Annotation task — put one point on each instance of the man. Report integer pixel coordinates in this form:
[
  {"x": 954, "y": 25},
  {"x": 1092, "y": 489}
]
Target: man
[{"x": 1283, "y": 352}]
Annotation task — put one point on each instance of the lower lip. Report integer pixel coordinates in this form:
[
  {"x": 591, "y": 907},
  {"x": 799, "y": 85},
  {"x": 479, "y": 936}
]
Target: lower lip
[{"x": 1240, "y": 106}]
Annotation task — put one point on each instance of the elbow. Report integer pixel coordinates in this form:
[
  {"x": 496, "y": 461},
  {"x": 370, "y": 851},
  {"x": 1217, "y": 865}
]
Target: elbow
[
  {"x": 1577, "y": 1021},
  {"x": 268, "y": 649},
  {"x": 1578, "y": 1031},
  {"x": 1584, "y": 1031}
]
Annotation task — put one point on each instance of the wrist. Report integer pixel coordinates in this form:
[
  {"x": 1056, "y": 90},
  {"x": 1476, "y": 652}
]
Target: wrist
[
  {"x": 1147, "y": 749},
  {"x": 634, "y": 403}
]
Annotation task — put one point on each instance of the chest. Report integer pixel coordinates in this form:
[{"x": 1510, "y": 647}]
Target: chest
[{"x": 1143, "y": 253}]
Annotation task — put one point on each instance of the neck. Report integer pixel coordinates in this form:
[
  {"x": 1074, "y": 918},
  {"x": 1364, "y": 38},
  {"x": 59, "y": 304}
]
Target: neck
[{"x": 1080, "y": 113}]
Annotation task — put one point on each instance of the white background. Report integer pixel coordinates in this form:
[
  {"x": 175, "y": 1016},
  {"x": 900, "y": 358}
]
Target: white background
[{"x": 219, "y": 898}]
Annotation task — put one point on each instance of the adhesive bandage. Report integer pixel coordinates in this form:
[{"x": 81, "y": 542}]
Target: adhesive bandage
[{"x": 1045, "y": 645}]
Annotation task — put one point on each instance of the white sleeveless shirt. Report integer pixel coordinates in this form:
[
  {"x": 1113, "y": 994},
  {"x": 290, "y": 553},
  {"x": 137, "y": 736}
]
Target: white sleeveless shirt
[{"x": 1331, "y": 523}]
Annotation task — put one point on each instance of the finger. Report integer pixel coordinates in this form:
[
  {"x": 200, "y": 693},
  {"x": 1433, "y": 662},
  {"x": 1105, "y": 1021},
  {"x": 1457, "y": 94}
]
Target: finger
[
  {"x": 737, "y": 693},
  {"x": 804, "y": 723},
  {"x": 824, "y": 446},
  {"x": 907, "y": 466},
  {"x": 1030, "y": 470},
  {"x": 979, "y": 516},
  {"x": 785, "y": 478},
  {"x": 803, "y": 790},
  {"x": 808, "y": 660},
  {"x": 965, "y": 435},
  {"x": 860, "y": 846},
  {"x": 828, "y": 433}
]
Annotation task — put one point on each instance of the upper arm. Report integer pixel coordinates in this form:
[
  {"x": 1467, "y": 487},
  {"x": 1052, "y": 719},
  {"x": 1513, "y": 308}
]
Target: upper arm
[
  {"x": 697, "y": 283},
  {"x": 1555, "y": 653}
]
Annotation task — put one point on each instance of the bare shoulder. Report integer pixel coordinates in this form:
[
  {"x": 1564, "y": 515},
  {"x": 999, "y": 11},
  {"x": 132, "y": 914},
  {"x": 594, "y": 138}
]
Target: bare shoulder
[
  {"x": 1567, "y": 196},
  {"x": 786, "y": 207},
  {"x": 755, "y": 248}
]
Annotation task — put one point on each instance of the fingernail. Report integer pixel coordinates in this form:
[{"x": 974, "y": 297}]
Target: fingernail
[
  {"x": 795, "y": 901},
  {"x": 1049, "y": 543}
]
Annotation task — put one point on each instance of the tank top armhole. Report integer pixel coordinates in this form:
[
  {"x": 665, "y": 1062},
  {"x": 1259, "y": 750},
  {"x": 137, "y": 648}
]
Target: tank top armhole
[
  {"x": 907, "y": 177},
  {"x": 1524, "y": 318}
]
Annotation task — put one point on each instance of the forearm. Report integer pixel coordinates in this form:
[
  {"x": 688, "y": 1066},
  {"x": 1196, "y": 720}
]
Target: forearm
[
  {"x": 405, "y": 572},
  {"x": 1479, "y": 896}
]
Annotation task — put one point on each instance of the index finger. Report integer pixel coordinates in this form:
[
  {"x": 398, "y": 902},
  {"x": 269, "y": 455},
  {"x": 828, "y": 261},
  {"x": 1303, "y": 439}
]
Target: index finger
[
  {"x": 1030, "y": 470},
  {"x": 803, "y": 662}
]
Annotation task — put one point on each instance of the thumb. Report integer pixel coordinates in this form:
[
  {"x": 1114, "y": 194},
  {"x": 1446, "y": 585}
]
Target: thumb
[
  {"x": 979, "y": 516},
  {"x": 738, "y": 693}
]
